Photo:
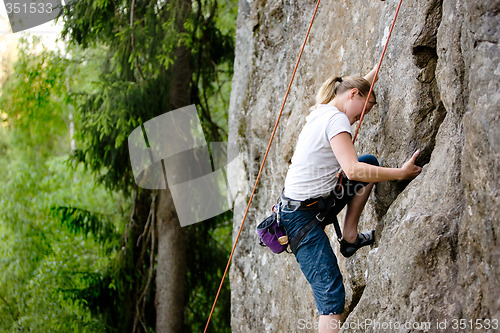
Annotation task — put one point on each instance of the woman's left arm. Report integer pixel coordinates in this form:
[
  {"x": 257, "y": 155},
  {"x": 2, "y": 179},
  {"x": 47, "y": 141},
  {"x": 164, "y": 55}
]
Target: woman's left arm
[{"x": 345, "y": 153}]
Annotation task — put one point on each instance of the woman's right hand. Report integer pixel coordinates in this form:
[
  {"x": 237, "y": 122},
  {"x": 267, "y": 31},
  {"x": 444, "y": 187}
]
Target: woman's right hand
[{"x": 410, "y": 170}]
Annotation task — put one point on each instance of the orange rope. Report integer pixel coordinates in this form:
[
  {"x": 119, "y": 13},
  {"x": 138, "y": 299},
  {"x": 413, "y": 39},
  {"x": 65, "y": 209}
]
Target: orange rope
[
  {"x": 376, "y": 72},
  {"x": 262, "y": 165}
]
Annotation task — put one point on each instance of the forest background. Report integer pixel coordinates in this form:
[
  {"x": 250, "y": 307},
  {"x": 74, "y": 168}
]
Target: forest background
[{"x": 82, "y": 248}]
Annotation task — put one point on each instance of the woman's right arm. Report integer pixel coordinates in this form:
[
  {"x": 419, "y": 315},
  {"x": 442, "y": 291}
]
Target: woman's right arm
[
  {"x": 345, "y": 153},
  {"x": 371, "y": 75}
]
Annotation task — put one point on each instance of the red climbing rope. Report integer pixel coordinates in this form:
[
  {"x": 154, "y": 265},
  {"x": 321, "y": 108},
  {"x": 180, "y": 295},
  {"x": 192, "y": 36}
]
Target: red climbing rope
[
  {"x": 376, "y": 72},
  {"x": 262, "y": 165}
]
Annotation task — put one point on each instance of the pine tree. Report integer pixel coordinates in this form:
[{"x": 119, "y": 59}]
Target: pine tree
[{"x": 160, "y": 56}]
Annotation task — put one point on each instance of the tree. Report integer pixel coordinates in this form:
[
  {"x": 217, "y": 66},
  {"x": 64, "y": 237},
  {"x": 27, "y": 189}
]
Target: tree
[
  {"x": 44, "y": 265},
  {"x": 161, "y": 56}
]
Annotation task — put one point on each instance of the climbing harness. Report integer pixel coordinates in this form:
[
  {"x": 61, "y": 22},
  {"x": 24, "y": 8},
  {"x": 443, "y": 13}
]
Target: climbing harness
[
  {"x": 272, "y": 138},
  {"x": 274, "y": 235},
  {"x": 326, "y": 216}
]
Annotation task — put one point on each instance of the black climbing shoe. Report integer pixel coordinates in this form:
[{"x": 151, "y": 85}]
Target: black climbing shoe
[{"x": 364, "y": 239}]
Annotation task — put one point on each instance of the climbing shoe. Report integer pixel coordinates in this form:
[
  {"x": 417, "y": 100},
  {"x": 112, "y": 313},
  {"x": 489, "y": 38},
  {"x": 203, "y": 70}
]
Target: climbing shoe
[{"x": 364, "y": 239}]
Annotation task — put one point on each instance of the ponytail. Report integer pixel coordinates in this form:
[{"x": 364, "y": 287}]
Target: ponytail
[{"x": 336, "y": 85}]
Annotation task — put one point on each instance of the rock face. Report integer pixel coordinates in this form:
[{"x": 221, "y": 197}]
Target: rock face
[{"x": 437, "y": 251}]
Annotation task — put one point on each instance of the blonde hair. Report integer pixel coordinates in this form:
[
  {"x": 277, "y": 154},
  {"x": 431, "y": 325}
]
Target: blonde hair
[{"x": 336, "y": 85}]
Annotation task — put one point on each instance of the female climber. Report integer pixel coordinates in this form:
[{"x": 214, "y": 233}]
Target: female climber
[{"x": 323, "y": 148}]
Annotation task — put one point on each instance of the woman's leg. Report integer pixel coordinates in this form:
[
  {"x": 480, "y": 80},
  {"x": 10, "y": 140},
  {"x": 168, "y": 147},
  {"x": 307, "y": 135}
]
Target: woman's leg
[
  {"x": 320, "y": 267},
  {"x": 357, "y": 203},
  {"x": 329, "y": 323},
  {"x": 353, "y": 213}
]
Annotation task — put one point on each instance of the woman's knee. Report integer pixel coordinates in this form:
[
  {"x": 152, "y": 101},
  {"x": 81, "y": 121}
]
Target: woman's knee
[{"x": 368, "y": 159}]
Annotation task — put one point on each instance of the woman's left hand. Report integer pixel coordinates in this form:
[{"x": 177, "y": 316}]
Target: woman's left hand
[{"x": 410, "y": 170}]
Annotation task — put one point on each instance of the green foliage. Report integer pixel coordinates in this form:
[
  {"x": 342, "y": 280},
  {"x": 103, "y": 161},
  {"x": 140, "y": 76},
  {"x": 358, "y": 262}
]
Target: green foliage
[
  {"x": 105, "y": 118},
  {"x": 146, "y": 44},
  {"x": 62, "y": 265},
  {"x": 34, "y": 101},
  {"x": 136, "y": 80},
  {"x": 87, "y": 223},
  {"x": 206, "y": 265},
  {"x": 45, "y": 267}
]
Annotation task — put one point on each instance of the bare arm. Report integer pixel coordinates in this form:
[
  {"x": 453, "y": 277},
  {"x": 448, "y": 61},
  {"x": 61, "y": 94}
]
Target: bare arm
[
  {"x": 369, "y": 77},
  {"x": 345, "y": 153}
]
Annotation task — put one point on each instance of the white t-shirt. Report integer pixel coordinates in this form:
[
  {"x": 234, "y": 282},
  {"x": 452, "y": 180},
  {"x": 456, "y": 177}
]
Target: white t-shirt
[{"x": 314, "y": 167}]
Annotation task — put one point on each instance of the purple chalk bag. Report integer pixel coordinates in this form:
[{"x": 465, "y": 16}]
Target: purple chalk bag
[{"x": 272, "y": 234}]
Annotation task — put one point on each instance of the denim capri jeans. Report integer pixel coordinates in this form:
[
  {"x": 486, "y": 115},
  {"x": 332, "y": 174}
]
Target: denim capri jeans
[{"x": 315, "y": 255}]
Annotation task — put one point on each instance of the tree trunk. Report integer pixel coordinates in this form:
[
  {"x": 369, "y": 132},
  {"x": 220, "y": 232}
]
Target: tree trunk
[
  {"x": 171, "y": 268},
  {"x": 134, "y": 263},
  {"x": 171, "y": 264}
]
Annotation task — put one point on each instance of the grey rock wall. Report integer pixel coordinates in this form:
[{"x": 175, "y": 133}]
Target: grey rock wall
[{"x": 438, "y": 251}]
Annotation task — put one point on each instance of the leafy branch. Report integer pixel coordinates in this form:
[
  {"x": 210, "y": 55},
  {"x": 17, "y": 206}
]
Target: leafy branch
[{"x": 84, "y": 222}]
